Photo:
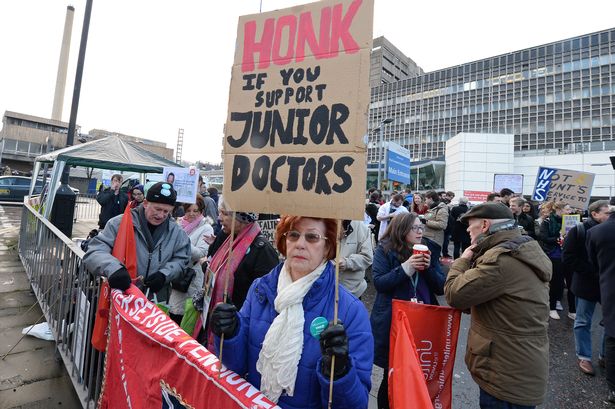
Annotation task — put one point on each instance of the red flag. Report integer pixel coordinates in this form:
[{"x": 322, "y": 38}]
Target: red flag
[
  {"x": 125, "y": 250},
  {"x": 435, "y": 330},
  {"x": 407, "y": 387}
]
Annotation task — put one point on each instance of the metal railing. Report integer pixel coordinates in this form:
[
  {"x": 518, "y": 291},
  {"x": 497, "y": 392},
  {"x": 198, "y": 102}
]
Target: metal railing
[{"x": 68, "y": 296}]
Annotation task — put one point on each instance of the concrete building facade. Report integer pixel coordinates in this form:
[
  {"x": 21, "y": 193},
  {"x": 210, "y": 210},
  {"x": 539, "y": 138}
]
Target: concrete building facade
[
  {"x": 558, "y": 96},
  {"x": 389, "y": 64},
  {"x": 472, "y": 160},
  {"x": 24, "y": 137}
]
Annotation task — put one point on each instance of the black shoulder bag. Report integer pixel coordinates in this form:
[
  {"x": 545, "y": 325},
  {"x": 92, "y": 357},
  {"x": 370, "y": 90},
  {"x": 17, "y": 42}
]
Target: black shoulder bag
[{"x": 183, "y": 280}]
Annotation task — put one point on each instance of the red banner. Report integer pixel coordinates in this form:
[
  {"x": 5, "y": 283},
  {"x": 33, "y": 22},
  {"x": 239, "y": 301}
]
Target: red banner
[
  {"x": 476, "y": 196},
  {"x": 407, "y": 387},
  {"x": 435, "y": 330},
  {"x": 152, "y": 363}
]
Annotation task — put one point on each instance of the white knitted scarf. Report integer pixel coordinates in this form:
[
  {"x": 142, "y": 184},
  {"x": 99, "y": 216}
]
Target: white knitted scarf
[{"x": 281, "y": 351}]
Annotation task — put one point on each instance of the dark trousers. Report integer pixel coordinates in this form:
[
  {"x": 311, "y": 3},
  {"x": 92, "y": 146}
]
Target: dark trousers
[
  {"x": 383, "y": 392},
  {"x": 459, "y": 247},
  {"x": 609, "y": 352},
  {"x": 447, "y": 237},
  {"x": 491, "y": 402},
  {"x": 572, "y": 302},
  {"x": 556, "y": 286}
]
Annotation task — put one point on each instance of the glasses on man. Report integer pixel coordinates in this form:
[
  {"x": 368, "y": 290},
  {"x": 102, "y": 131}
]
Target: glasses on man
[
  {"x": 417, "y": 228},
  {"x": 310, "y": 237}
]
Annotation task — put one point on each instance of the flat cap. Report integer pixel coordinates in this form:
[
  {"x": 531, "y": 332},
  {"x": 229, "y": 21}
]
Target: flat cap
[{"x": 488, "y": 210}]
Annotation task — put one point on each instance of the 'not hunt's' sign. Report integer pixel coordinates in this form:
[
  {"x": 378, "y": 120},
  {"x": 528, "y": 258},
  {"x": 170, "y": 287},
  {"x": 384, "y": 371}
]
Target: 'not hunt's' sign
[
  {"x": 298, "y": 111},
  {"x": 570, "y": 186}
]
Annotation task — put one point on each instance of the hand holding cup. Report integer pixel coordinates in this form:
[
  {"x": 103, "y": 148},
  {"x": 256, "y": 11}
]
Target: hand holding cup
[{"x": 421, "y": 257}]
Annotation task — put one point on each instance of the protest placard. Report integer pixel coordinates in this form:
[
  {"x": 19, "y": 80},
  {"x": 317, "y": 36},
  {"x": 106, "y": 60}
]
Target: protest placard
[
  {"x": 185, "y": 181},
  {"x": 570, "y": 186},
  {"x": 268, "y": 229},
  {"x": 568, "y": 222},
  {"x": 298, "y": 111}
]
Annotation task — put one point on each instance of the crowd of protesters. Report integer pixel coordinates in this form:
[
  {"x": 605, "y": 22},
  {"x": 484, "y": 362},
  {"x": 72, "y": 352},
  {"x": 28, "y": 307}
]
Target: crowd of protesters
[{"x": 511, "y": 264}]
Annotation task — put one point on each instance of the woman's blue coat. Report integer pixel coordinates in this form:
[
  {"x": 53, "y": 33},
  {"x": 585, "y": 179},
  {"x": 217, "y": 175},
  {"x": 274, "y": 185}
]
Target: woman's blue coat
[{"x": 311, "y": 388}]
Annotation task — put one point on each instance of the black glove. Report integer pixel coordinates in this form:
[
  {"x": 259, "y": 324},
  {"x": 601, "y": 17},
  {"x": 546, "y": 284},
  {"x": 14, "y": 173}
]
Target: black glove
[
  {"x": 334, "y": 341},
  {"x": 120, "y": 279},
  {"x": 155, "y": 281},
  {"x": 224, "y": 320}
]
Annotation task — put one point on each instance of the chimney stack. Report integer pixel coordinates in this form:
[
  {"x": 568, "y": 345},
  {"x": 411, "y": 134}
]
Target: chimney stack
[{"x": 58, "y": 98}]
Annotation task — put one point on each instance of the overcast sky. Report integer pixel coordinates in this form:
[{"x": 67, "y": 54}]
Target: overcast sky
[{"x": 154, "y": 66}]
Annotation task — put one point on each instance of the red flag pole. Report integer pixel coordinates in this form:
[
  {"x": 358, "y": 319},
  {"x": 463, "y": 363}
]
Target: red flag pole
[
  {"x": 228, "y": 274},
  {"x": 337, "y": 301}
]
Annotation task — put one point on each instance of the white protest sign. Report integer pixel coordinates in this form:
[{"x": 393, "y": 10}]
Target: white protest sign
[{"x": 185, "y": 181}]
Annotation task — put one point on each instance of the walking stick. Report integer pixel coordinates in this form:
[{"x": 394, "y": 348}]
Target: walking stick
[
  {"x": 337, "y": 301},
  {"x": 228, "y": 274}
]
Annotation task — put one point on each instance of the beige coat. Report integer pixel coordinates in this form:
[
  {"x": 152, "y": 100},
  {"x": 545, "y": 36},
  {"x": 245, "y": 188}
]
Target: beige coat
[
  {"x": 437, "y": 220},
  {"x": 506, "y": 287},
  {"x": 356, "y": 249}
]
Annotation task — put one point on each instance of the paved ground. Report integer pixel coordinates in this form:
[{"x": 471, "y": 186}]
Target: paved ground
[{"x": 30, "y": 376}]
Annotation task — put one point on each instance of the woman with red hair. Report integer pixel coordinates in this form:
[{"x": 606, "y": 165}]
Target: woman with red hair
[{"x": 283, "y": 338}]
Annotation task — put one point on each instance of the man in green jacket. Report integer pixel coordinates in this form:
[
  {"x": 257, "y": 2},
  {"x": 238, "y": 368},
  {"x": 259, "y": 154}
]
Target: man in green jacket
[{"x": 503, "y": 278}]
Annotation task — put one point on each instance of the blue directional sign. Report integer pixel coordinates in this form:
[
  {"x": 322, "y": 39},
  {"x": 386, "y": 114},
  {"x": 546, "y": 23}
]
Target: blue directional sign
[{"x": 398, "y": 163}]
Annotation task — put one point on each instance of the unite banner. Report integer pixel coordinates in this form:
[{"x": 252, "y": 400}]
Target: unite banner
[
  {"x": 435, "y": 331},
  {"x": 298, "y": 104},
  {"x": 152, "y": 363}
]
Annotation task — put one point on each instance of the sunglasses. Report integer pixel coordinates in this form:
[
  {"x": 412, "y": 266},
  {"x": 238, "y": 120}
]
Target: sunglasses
[{"x": 294, "y": 235}]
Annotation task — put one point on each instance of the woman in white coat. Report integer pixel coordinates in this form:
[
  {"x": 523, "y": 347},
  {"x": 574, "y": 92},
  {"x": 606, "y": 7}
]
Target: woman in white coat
[{"x": 201, "y": 233}]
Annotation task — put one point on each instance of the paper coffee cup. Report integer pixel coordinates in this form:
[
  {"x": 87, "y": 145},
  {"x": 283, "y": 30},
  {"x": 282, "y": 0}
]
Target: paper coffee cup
[{"x": 420, "y": 249}]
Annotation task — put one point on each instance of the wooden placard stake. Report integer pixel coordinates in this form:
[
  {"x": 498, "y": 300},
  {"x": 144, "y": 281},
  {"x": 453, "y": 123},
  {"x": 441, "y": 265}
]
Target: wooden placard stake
[
  {"x": 226, "y": 279},
  {"x": 337, "y": 301}
]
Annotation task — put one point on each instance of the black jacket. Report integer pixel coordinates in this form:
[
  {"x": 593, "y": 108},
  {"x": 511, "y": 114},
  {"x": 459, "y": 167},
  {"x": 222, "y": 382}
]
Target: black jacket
[
  {"x": 372, "y": 211},
  {"x": 459, "y": 232},
  {"x": 259, "y": 260},
  {"x": 600, "y": 251},
  {"x": 548, "y": 236},
  {"x": 585, "y": 283},
  {"x": 111, "y": 205},
  {"x": 525, "y": 220}
]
